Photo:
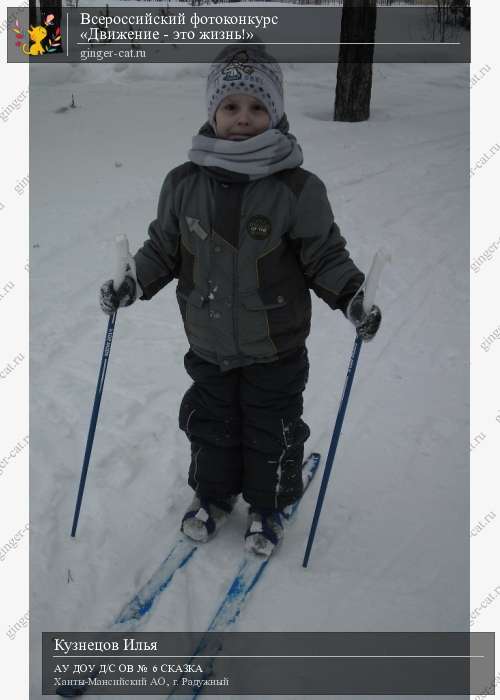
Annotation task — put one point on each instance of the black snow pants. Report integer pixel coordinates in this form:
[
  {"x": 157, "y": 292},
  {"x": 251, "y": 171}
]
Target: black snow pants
[{"x": 245, "y": 429}]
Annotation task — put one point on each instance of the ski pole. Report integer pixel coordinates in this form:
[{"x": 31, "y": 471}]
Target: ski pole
[
  {"x": 370, "y": 286},
  {"x": 122, "y": 259}
]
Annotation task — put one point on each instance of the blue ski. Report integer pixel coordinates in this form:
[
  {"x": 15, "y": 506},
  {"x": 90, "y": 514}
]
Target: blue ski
[
  {"x": 137, "y": 609},
  {"x": 141, "y": 604},
  {"x": 249, "y": 572}
]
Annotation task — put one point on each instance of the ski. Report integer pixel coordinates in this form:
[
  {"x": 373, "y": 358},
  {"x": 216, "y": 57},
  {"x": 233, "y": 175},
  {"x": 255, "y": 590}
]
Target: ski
[
  {"x": 140, "y": 605},
  {"x": 250, "y": 570},
  {"x": 137, "y": 609},
  {"x": 134, "y": 612}
]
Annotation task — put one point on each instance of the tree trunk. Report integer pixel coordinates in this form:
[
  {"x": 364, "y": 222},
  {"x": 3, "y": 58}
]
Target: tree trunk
[
  {"x": 354, "y": 72},
  {"x": 33, "y": 13}
]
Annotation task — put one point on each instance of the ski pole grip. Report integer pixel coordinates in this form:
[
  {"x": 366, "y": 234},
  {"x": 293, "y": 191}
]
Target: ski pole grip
[
  {"x": 123, "y": 256},
  {"x": 380, "y": 258}
]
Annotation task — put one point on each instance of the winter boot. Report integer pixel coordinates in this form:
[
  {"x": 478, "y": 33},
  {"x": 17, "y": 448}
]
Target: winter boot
[
  {"x": 264, "y": 531},
  {"x": 203, "y": 518}
]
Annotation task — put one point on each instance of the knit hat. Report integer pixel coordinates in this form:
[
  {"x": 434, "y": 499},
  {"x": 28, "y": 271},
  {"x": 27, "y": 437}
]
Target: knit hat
[{"x": 251, "y": 71}]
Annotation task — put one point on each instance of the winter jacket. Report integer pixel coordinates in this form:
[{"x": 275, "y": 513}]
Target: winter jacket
[{"x": 246, "y": 255}]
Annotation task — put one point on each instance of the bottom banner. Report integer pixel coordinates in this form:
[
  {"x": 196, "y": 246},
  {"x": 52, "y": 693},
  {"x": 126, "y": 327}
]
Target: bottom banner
[{"x": 271, "y": 663}]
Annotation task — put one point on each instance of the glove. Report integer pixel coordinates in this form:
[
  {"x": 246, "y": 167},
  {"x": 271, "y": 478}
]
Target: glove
[
  {"x": 366, "y": 324},
  {"x": 110, "y": 300}
]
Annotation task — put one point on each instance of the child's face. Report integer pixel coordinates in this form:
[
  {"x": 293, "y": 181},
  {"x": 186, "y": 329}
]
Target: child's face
[{"x": 239, "y": 117}]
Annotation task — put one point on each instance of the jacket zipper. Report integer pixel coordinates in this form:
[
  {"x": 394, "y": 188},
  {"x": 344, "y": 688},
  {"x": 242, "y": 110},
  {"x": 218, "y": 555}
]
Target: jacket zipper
[
  {"x": 236, "y": 303},
  {"x": 236, "y": 291}
]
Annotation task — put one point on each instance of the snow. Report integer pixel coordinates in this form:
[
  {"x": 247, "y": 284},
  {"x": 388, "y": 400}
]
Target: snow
[{"x": 392, "y": 546}]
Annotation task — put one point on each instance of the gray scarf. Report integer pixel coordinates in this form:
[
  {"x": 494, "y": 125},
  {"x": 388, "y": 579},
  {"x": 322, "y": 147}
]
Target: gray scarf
[{"x": 259, "y": 156}]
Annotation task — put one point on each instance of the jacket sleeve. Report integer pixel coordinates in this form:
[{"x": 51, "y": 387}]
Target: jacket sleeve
[
  {"x": 325, "y": 260},
  {"x": 157, "y": 261}
]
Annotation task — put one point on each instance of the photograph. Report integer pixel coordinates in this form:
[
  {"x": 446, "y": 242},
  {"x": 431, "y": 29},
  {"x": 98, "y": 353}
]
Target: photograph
[{"x": 249, "y": 351}]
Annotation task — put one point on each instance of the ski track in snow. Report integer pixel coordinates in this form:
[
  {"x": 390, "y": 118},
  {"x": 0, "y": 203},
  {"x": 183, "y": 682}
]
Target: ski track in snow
[{"x": 388, "y": 548}]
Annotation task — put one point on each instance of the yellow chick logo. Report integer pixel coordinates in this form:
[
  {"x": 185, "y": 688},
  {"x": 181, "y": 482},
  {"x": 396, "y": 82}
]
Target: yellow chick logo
[{"x": 37, "y": 35}]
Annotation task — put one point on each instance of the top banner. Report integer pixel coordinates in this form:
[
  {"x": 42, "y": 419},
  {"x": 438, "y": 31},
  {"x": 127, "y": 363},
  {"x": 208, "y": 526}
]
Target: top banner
[{"x": 196, "y": 34}]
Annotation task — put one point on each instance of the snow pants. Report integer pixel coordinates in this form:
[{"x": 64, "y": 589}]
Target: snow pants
[{"x": 245, "y": 429}]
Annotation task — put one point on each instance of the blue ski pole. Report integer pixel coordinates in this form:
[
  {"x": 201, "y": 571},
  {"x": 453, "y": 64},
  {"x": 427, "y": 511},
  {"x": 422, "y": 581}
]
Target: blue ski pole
[
  {"x": 370, "y": 286},
  {"x": 123, "y": 258},
  {"x": 333, "y": 445}
]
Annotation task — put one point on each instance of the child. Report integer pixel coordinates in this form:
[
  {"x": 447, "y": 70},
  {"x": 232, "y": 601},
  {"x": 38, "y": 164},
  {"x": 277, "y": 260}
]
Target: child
[{"x": 247, "y": 232}]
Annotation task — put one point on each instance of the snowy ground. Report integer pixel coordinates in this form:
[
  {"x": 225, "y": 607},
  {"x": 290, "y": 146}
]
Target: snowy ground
[{"x": 392, "y": 548}]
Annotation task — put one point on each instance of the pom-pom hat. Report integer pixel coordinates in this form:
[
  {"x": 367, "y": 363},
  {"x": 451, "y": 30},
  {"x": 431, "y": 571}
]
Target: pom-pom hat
[{"x": 249, "y": 71}]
